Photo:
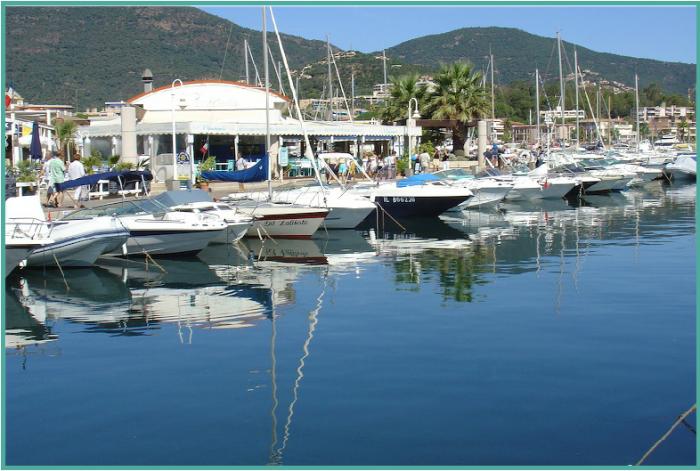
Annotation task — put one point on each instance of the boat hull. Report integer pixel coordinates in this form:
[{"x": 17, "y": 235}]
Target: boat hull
[
  {"x": 234, "y": 232},
  {"x": 346, "y": 218},
  {"x": 417, "y": 206},
  {"x": 167, "y": 242},
  {"x": 287, "y": 226},
  {"x": 14, "y": 254},
  {"x": 486, "y": 197},
  {"x": 77, "y": 252}
]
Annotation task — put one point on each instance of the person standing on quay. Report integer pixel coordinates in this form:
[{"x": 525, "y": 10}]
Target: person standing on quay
[
  {"x": 56, "y": 171},
  {"x": 76, "y": 169}
]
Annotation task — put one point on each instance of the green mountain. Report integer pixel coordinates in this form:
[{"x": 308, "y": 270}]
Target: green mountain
[
  {"x": 88, "y": 55},
  {"x": 517, "y": 53},
  {"x": 97, "y": 54}
]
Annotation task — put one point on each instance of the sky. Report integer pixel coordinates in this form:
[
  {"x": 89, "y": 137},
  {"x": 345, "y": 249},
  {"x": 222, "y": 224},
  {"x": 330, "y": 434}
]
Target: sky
[{"x": 664, "y": 33}]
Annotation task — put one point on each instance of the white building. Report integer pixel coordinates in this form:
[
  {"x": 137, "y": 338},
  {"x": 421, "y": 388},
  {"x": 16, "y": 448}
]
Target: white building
[
  {"x": 227, "y": 116},
  {"x": 674, "y": 113}
]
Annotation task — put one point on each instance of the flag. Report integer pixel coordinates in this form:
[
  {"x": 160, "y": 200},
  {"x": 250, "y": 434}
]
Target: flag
[
  {"x": 9, "y": 95},
  {"x": 205, "y": 148}
]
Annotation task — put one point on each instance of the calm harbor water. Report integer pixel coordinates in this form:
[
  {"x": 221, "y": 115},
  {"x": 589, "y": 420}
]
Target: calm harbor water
[{"x": 548, "y": 334}]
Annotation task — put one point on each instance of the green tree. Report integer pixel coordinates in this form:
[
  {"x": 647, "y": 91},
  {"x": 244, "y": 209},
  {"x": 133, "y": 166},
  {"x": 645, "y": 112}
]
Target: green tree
[
  {"x": 401, "y": 90},
  {"x": 65, "y": 131},
  {"x": 458, "y": 95}
]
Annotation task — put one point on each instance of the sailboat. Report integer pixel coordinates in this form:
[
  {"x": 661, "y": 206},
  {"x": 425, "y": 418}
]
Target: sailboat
[
  {"x": 347, "y": 210},
  {"x": 273, "y": 219}
]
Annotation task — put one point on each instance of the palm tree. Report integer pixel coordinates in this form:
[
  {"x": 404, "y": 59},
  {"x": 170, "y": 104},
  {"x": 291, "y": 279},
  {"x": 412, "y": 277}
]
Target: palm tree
[
  {"x": 65, "y": 133},
  {"x": 401, "y": 90},
  {"x": 458, "y": 95}
]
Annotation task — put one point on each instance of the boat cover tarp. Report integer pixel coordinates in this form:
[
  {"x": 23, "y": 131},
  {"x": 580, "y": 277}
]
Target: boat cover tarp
[
  {"x": 256, "y": 173},
  {"x": 178, "y": 197},
  {"x": 126, "y": 177},
  {"x": 419, "y": 179}
]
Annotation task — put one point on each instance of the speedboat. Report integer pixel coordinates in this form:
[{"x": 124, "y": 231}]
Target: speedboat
[
  {"x": 412, "y": 198},
  {"x": 684, "y": 167},
  {"x": 154, "y": 229},
  {"x": 347, "y": 210},
  {"x": 276, "y": 220},
  {"x": 73, "y": 243},
  {"x": 236, "y": 224},
  {"x": 487, "y": 191}
]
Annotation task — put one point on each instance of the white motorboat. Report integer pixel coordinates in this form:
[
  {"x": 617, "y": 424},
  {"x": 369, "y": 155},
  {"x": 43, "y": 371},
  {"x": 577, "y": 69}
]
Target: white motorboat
[
  {"x": 74, "y": 243},
  {"x": 281, "y": 220},
  {"x": 684, "y": 167},
  {"x": 236, "y": 224},
  {"x": 154, "y": 229},
  {"x": 347, "y": 210},
  {"x": 487, "y": 191},
  {"x": 276, "y": 220}
]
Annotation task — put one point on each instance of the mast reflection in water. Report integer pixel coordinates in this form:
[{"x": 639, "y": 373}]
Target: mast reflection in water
[{"x": 530, "y": 335}]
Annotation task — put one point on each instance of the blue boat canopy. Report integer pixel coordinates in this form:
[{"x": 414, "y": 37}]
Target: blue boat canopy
[
  {"x": 123, "y": 178},
  {"x": 256, "y": 173},
  {"x": 419, "y": 179}
]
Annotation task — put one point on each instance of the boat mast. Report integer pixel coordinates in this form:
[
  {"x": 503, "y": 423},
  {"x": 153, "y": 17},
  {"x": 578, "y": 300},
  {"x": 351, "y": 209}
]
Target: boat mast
[
  {"x": 537, "y": 104},
  {"x": 493, "y": 96},
  {"x": 267, "y": 104},
  {"x": 578, "y": 138},
  {"x": 308, "y": 152},
  {"x": 352, "y": 86},
  {"x": 636, "y": 105},
  {"x": 245, "y": 54},
  {"x": 561, "y": 81},
  {"x": 330, "y": 81}
]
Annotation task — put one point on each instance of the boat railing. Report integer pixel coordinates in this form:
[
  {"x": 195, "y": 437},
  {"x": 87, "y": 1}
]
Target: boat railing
[{"x": 26, "y": 228}]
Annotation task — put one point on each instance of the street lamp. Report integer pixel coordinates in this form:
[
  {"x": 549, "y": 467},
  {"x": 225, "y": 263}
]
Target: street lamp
[
  {"x": 411, "y": 122},
  {"x": 172, "y": 115}
]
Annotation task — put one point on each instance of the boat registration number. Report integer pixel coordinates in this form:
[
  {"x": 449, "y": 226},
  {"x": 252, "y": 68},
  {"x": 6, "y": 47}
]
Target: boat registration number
[{"x": 399, "y": 199}]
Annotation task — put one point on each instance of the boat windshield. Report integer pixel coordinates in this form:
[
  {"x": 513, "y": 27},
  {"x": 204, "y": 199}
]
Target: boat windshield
[
  {"x": 122, "y": 208},
  {"x": 489, "y": 172},
  {"x": 453, "y": 174}
]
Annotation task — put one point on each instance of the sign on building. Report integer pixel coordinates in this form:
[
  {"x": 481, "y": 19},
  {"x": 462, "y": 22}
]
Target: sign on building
[
  {"x": 283, "y": 157},
  {"x": 184, "y": 166}
]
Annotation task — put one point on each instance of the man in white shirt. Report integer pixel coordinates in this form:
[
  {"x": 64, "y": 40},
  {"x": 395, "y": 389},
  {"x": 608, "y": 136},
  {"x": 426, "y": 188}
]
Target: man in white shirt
[{"x": 77, "y": 170}]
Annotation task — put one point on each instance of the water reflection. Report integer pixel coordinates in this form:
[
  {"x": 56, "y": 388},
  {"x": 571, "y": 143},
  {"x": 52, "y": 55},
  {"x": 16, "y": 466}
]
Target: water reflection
[
  {"x": 281, "y": 290},
  {"x": 237, "y": 286}
]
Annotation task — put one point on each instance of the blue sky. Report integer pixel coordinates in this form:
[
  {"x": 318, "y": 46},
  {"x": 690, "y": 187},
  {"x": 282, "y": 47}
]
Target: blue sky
[{"x": 663, "y": 33}]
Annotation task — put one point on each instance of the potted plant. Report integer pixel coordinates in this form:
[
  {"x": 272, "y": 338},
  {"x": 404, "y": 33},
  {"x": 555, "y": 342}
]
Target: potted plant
[
  {"x": 91, "y": 161},
  {"x": 207, "y": 165},
  {"x": 27, "y": 173}
]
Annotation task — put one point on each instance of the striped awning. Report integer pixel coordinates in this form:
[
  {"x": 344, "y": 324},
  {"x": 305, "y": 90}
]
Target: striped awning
[{"x": 288, "y": 128}]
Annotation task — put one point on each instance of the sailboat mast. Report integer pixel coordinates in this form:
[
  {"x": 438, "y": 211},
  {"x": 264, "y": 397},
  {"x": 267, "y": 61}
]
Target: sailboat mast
[
  {"x": 493, "y": 95},
  {"x": 636, "y": 105},
  {"x": 578, "y": 138},
  {"x": 267, "y": 103},
  {"x": 330, "y": 81},
  {"x": 352, "y": 86},
  {"x": 537, "y": 103},
  {"x": 245, "y": 54},
  {"x": 561, "y": 80}
]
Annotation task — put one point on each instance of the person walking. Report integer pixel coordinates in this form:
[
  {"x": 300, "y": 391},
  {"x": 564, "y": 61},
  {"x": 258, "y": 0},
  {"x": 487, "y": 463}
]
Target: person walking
[
  {"x": 76, "y": 169},
  {"x": 56, "y": 170}
]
